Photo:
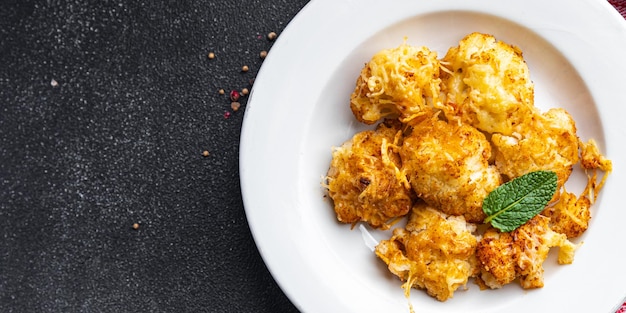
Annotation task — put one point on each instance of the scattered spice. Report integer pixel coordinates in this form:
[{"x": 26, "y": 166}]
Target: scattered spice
[
  {"x": 54, "y": 83},
  {"x": 234, "y": 95},
  {"x": 235, "y": 105},
  {"x": 205, "y": 153},
  {"x": 136, "y": 226}
]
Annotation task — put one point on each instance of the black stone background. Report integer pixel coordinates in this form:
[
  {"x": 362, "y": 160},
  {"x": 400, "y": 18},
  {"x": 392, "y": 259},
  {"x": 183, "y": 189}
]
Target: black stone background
[{"x": 118, "y": 141}]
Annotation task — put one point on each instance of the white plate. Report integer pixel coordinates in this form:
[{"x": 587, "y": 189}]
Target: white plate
[{"x": 299, "y": 108}]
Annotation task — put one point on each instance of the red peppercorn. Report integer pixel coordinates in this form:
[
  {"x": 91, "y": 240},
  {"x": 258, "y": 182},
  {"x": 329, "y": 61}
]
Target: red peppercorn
[
  {"x": 226, "y": 114},
  {"x": 234, "y": 95}
]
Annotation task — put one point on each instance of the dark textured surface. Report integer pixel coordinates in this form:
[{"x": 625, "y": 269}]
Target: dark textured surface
[{"x": 106, "y": 108}]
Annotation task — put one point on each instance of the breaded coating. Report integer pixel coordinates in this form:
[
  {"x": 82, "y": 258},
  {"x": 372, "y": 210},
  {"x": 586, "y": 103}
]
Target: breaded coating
[
  {"x": 496, "y": 254},
  {"x": 547, "y": 142},
  {"x": 447, "y": 166},
  {"x": 591, "y": 159},
  {"x": 487, "y": 84},
  {"x": 503, "y": 257},
  {"x": 434, "y": 252},
  {"x": 364, "y": 180},
  {"x": 399, "y": 82},
  {"x": 571, "y": 215}
]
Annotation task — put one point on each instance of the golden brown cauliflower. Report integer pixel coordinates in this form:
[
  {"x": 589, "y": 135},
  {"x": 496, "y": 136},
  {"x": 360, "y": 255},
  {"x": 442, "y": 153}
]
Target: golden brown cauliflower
[
  {"x": 570, "y": 215},
  {"x": 487, "y": 84},
  {"x": 364, "y": 180},
  {"x": 399, "y": 82},
  {"x": 591, "y": 158},
  {"x": 546, "y": 142},
  {"x": 496, "y": 254},
  {"x": 447, "y": 166},
  {"x": 434, "y": 252},
  {"x": 503, "y": 257}
]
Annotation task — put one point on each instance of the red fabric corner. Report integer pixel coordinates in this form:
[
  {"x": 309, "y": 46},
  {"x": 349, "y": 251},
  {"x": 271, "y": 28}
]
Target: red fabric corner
[{"x": 620, "y": 6}]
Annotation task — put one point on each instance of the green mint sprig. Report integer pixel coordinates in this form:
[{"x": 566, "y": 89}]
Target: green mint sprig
[{"x": 515, "y": 202}]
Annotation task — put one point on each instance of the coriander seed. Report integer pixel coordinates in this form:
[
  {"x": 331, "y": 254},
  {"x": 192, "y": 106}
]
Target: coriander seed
[
  {"x": 263, "y": 54},
  {"x": 211, "y": 55},
  {"x": 235, "y": 105},
  {"x": 245, "y": 68},
  {"x": 272, "y": 36}
]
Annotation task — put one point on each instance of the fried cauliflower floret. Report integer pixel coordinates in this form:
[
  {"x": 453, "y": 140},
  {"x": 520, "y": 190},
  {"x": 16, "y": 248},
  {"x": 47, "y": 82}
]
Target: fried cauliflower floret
[
  {"x": 399, "y": 82},
  {"x": 503, "y": 257},
  {"x": 591, "y": 158},
  {"x": 571, "y": 215},
  {"x": 496, "y": 256},
  {"x": 364, "y": 180},
  {"x": 534, "y": 239},
  {"x": 447, "y": 166},
  {"x": 487, "y": 84},
  {"x": 547, "y": 142},
  {"x": 434, "y": 252}
]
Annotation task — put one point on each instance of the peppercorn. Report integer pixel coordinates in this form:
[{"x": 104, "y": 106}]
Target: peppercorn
[
  {"x": 221, "y": 91},
  {"x": 234, "y": 95},
  {"x": 245, "y": 68},
  {"x": 136, "y": 226},
  {"x": 272, "y": 36},
  {"x": 235, "y": 105},
  {"x": 205, "y": 153},
  {"x": 211, "y": 55},
  {"x": 263, "y": 54},
  {"x": 245, "y": 91}
]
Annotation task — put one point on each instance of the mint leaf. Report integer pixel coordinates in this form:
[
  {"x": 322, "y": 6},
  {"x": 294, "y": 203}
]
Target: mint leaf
[{"x": 514, "y": 203}]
